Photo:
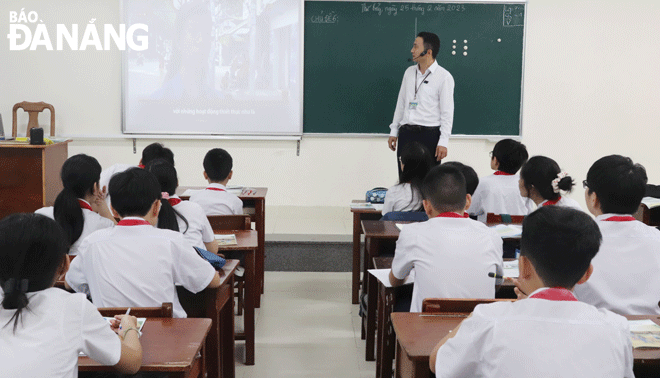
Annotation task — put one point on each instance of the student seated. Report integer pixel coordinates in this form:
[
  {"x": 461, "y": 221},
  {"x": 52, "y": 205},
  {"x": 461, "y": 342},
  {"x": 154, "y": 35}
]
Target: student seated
[
  {"x": 550, "y": 333},
  {"x": 452, "y": 255},
  {"x": 80, "y": 208},
  {"x": 151, "y": 152},
  {"x": 471, "y": 180},
  {"x": 542, "y": 181},
  {"x": 499, "y": 193},
  {"x": 415, "y": 162},
  {"x": 182, "y": 216},
  {"x": 216, "y": 200},
  {"x": 626, "y": 276},
  {"x": 42, "y": 328},
  {"x": 136, "y": 264}
]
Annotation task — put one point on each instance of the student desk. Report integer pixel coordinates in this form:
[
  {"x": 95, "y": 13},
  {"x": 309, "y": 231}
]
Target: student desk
[
  {"x": 257, "y": 200},
  {"x": 417, "y": 335},
  {"x": 358, "y": 216},
  {"x": 169, "y": 346},
  {"x": 648, "y": 216}
]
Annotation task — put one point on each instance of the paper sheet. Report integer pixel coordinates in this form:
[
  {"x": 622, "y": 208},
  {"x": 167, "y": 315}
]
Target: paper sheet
[
  {"x": 378, "y": 206},
  {"x": 510, "y": 269},
  {"x": 383, "y": 275},
  {"x": 362, "y": 205},
  {"x": 508, "y": 230},
  {"x": 140, "y": 324},
  {"x": 400, "y": 226},
  {"x": 651, "y": 202}
]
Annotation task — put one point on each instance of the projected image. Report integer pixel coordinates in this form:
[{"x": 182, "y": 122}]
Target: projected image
[{"x": 214, "y": 67}]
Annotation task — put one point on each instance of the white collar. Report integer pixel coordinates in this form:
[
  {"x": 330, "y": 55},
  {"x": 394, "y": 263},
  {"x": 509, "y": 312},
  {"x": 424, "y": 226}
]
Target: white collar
[
  {"x": 216, "y": 185},
  {"x": 605, "y": 216},
  {"x": 431, "y": 68}
]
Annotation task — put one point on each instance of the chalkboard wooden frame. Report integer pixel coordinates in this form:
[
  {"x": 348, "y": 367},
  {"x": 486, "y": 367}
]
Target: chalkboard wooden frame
[{"x": 512, "y": 130}]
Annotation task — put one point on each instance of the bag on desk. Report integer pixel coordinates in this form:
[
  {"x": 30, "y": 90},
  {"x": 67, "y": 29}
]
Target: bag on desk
[
  {"x": 215, "y": 260},
  {"x": 376, "y": 195}
]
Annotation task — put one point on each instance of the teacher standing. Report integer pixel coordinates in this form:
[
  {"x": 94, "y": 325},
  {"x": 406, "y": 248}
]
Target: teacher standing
[{"x": 425, "y": 108}]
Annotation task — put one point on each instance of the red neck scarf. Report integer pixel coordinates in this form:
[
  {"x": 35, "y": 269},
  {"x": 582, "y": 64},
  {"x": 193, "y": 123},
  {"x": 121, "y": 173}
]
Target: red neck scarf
[
  {"x": 84, "y": 205},
  {"x": 216, "y": 189},
  {"x": 449, "y": 214},
  {"x": 466, "y": 215},
  {"x": 500, "y": 173},
  {"x": 549, "y": 202},
  {"x": 133, "y": 222},
  {"x": 620, "y": 218},
  {"x": 174, "y": 201},
  {"x": 555, "y": 294}
]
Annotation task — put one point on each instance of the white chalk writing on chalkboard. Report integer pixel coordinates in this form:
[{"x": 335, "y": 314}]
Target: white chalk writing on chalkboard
[
  {"x": 329, "y": 18},
  {"x": 390, "y": 9},
  {"x": 513, "y": 15}
]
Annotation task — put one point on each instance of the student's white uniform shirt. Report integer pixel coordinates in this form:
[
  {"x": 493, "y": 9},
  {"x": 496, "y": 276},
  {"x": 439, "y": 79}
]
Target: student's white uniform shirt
[
  {"x": 199, "y": 228},
  {"x": 565, "y": 202},
  {"x": 93, "y": 222},
  {"x": 538, "y": 338},
  {"x": 107, "y": 174},
  {"x": 402, "y": 197},
  {"x": 499, "y": 194},
  {"x": 451, "y": 257},
  {"x": 137, "y": 266},
  {"x": 626, "y": 277},
  {"x": 216, "y": 202},
  {"x": 56, "y": 326}
]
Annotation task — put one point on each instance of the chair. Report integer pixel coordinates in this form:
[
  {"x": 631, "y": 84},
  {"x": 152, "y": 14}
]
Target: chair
[
  {"x": 492, "y": 218},
  {"x": 33, "y": 109},
  {"x": 164, "y": 311},
  {"x": 224, "y": 223},
  {"x": 456, "y": 305},
  {"x": 405, "y": 216}
]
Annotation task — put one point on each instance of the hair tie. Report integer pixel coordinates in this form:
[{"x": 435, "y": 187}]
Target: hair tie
[
  {"x": 555, "y": 182},
  {"x": 12, "y": 285},
  {"x": 165, "y": 195}
]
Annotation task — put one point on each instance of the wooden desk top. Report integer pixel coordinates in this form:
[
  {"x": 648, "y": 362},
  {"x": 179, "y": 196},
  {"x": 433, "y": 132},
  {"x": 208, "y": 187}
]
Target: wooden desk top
[
  {"x": 227, "y": 270},
  {"x": 167, "y": 345},
  {"x": 15, "y": 144},
  {"x": 381, "y": 229},
  {"x": 245, "y": 239},
  {"x": 418, "y": 335},
  {"x": 364, "y": 211},
  {"x": 257, "y": 193},
  {"x": 383, "y": 262}
]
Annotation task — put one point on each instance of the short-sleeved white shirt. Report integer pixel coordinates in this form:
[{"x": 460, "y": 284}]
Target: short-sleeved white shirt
[
  {"x": 199, "y": 229},
  {"x": 565, "y": 202},
  {"x": 402, "y": 197},
  {"x": 215, "y": 202},
  {"x": 499, "y": 194},
  {"x": 626, "y": 277},
  {"x": 49, "y": 336},
  {"x": 137, "y": 266},
  {"x": 451, "y": 257},
  {"x": 538, "y": 338},
  {"x": 93, "y": 222},
  {"x": 107, "y": 174}
]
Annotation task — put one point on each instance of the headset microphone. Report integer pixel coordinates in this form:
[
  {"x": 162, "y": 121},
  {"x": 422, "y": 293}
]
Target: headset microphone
[{"x": 420, "y": 55}]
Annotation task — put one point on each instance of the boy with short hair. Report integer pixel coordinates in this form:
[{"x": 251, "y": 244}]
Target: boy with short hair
[
  {"x": 452, "y": 255},
  {"x": 499, "y": 192},
  {"x": 135, "y": 264},
  {"x": 471, "y": 180},
  {"x": 550, "y": 333},
  {"x": 627, "y": 268},
  {"x": 215, "y": 199}
]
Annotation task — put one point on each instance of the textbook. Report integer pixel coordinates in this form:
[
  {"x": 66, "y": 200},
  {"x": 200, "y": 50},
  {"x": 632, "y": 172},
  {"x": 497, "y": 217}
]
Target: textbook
[
  {"x": 644, "y": 333},
  {"x": 367, "y": 206},
  {"x": 226, "y": 239},
  {"x": 651, "y": 202},
  {"x": 508, "y": 231}
]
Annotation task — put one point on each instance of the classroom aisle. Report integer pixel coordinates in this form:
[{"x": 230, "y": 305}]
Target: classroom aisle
[{"x": 307, "y": 327}]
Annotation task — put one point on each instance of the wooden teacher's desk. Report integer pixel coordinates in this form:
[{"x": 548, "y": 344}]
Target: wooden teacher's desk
[
  {"x": 417, "y": 335},
  {"x": 172, "y": 346},
  {"x": 252, "y": 198},
  {"x": 29, "y": 175},
  {"x": 358, "y": 216}
]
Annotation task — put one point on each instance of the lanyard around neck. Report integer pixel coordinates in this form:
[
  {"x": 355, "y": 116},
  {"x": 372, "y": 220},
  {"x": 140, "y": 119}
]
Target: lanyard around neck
[{"x": 420, "y": 84}]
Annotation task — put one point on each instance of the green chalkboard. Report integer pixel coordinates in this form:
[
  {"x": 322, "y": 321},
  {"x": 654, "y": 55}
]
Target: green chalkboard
[{"x": 356, "y": 54}]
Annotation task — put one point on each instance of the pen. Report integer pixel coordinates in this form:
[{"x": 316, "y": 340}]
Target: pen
[
  {"x": 127, "y": 312},
  {"x": 495, "y": 275}
]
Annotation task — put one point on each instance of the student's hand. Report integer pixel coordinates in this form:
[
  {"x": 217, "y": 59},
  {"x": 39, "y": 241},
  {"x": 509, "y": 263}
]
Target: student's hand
[
  {"x": 519, "y": 293},
  {"x": 391, "y": 142},
  {"x": 123, "y": 322},
  {"x": 440, "y": 153}
]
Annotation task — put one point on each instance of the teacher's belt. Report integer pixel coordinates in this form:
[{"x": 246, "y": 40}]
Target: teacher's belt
[{"x": 417, "y": 128}]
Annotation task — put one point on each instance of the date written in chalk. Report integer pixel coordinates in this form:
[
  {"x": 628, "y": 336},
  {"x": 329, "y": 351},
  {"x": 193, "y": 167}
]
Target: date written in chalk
[
  {"x": 329, "y": 18},
  {"x": 213, "y": 111}
]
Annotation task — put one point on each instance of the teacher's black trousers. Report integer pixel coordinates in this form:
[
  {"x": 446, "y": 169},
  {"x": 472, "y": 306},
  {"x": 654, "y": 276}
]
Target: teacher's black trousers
[{"x": 428, "y": 136}]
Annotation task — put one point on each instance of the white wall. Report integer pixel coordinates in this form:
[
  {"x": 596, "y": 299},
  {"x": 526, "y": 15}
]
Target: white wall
[{"x": 592, "y": 79}]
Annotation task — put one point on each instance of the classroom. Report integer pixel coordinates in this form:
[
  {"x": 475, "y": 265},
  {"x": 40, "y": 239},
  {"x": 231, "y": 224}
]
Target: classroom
[{"x": 590, "y": 89}]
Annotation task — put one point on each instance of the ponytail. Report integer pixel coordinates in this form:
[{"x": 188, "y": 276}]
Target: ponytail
[
  {"x": 167, "y": 216},
  {"x": 168, "y": 180},
  {"x": 69, "y": 215},
  {"x": 544, "y": 174}
]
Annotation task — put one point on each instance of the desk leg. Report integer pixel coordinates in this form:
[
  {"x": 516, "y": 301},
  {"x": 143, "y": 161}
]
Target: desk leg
[
  {"x": 212, "y": 297},
  {"x": 227, "y": 344},
  {"x": 357, "y": 231},
  {"x": 372, "y": 300},
  {"x": 379, "y": 330},
  {"x": 407, "y": 368},
  {"x": 260, "y": 224},
  {"x": 252, "y": 292},
  {"x": 386, "y": 337}
]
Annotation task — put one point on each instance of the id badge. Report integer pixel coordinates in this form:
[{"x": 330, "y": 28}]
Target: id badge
[{"x": 412, "y": 105}]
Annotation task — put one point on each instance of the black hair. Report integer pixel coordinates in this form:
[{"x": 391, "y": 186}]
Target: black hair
[
  {"x": 510, "y": 154},
  {"x": 539, "y": 172},
  {"x": 133, "y": 192},
  {"x": 444, "y": 187},
  {"x": 619, "y": 184},
  {"x": 560, "y": 242},
  {"x": 471, "y": 178},
  {"x": 157, "y": 151},
  {"x": 217, "y": 164},
  {"x": 417, "y": 161},
  {"x": 166, "y": 175},
  {"x": 79, "y": 174},
  {"x": 431, "y": 41},
  {"x": 32, "y": 249}
]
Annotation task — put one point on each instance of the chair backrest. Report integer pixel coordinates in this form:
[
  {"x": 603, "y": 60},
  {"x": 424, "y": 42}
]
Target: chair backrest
[
  {"x": 164, "y": 311},
  {"x": 504, "y": 218},
  {"x": 33, "y": 109},
  {"x": 406, "y": 216},
  {"x": 230, "y": 222},
  {"x": 456, "y": 305}
]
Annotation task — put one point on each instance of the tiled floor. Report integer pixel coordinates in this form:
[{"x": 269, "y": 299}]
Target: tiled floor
[
  {"x": 307, "y": 223},
  {"x": 307, "y": 327}
]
